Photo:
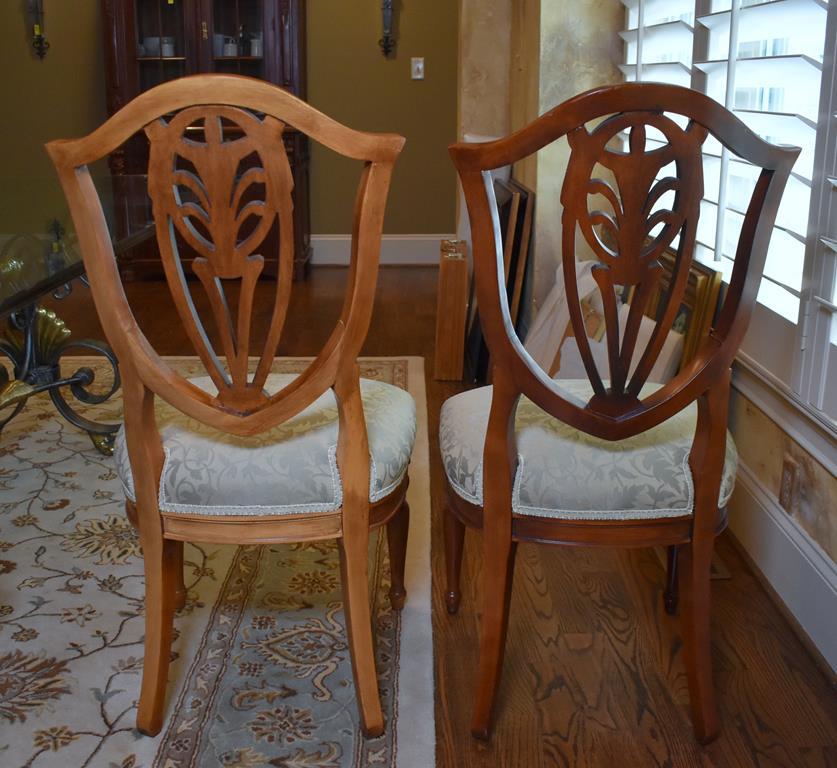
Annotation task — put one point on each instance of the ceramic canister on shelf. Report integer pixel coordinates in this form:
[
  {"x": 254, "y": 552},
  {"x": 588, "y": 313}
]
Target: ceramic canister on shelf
[{"x": 151, "y": 46}]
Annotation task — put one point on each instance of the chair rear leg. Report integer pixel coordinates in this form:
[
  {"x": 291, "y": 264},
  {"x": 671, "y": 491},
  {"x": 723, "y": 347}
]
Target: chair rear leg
[
  {"x": 671, "y": 595},
  {"x": 161, "y": 561},
  {"x": 354, "y": 567},
  {"x": 397, "y": 530},
  {"x": 498, "y": 571},
  {"x": 694, "y": 567},
  {"x": 454, "y": 542}
]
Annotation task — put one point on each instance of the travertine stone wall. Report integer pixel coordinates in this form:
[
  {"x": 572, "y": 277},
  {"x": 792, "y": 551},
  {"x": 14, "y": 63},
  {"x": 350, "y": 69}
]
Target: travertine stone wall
[
  {"x": 524, "y": 78},
  {"x": 762, "y": 446},
  {"x": 484, "y": 49},
  {"x": 518, "y": 59},
  {"x": 580, "y": 49}
]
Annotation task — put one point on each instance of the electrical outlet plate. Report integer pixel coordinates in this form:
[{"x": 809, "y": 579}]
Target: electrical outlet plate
[
  {"x": 787, "y": 489},
  {"x": 417, "y": 68}
]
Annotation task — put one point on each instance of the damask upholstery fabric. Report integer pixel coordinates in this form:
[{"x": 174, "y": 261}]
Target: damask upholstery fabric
[
  {"x": 289, "y": 469},
  {"x": 567, "y": 474}
]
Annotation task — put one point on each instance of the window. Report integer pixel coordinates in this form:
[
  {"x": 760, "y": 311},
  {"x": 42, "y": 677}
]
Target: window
[{"x": 767, "y": 61}]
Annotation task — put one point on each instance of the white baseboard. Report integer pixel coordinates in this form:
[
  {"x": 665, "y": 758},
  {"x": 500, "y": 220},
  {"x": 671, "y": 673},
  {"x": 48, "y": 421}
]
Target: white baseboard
[
  {"x": 801, "y": 573},
  {"x": 395, "y": 249}
]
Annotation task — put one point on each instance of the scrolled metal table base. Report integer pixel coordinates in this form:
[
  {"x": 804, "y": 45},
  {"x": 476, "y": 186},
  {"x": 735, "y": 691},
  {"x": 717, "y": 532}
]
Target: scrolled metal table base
[{"x": 34, "y": 341}]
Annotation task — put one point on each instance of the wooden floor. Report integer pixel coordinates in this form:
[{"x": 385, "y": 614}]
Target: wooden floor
[{"x": 593, "y": 673}]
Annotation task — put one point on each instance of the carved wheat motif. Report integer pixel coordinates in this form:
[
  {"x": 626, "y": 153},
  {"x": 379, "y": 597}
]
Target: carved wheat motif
[
  {"x": 219, "y": 178},
  {"x": 629, "y": 238}
]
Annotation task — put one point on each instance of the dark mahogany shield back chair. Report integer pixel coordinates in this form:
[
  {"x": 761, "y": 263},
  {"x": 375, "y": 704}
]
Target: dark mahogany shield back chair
[
  {"x": 217, "y": 161},
  {"x": 612, "y": 460}
]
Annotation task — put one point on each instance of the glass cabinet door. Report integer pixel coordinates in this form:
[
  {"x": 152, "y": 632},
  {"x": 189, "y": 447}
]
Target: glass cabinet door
[
  {"x": 238, "y": 43},
  {"x": 161, "y": 41}
]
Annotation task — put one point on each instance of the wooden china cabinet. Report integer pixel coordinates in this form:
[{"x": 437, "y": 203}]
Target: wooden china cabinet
[{"x": 148, "y": 42}]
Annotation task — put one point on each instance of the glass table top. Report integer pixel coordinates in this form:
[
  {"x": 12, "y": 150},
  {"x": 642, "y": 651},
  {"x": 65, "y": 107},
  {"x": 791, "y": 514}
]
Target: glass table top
[{"x": 39, "y": 249}]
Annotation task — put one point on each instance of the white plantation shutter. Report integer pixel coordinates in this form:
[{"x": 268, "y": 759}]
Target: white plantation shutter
[
  {"x": 817, "y": 374},
  {"x": 658, "y": 41},
  {"x": 765, "y": 61}
]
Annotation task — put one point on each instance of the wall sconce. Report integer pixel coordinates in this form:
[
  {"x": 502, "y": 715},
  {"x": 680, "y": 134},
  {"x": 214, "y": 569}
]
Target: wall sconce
[
  {"x": 35, "y": 10},
  {"x": 387, "y": 42}
]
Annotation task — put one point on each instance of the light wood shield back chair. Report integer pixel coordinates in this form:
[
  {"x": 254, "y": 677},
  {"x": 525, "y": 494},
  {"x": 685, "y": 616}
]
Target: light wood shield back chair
[
  {"x": 217, "y": 160},
  {"x": 613, "y": 460}
]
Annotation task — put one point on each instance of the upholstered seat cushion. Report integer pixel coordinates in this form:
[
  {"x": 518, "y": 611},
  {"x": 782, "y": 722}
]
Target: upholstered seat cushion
[
  {"x": 287, "y": 470},
  {"x": 567, "y": 474}
]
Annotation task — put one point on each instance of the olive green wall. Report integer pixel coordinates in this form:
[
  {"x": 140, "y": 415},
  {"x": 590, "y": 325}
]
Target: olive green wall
[
  {"x": 62, "y": 96},
  {"x": 349, "y": 78}
]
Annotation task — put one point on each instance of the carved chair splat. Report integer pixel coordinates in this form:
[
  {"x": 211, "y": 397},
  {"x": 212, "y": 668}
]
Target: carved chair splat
[
  {"x": 642, "y": 208},
  {"x": 219, "y": 179}
]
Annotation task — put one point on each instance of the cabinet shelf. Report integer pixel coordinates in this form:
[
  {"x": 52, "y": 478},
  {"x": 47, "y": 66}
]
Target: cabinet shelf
[{"x": 196, "y": 30}]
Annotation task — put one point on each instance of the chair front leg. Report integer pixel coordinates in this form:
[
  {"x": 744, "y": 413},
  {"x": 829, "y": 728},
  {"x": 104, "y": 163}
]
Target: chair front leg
[
  {"x": 354, "y": 568},
  {"x": 498, "y": 570},
  {"x": 397, "y": 531},
  {"x": 706, "y": 460},
  {"x": 161, "y": 574},
  {"x": 454, "y": 543},
  {"x": 694, "y": 566}
]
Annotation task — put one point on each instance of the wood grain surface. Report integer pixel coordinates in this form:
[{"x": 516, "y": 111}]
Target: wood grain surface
[{"x": 593, "y": 674}]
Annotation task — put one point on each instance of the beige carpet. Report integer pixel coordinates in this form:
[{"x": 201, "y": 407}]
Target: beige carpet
[{"x": 261, "y": 675}]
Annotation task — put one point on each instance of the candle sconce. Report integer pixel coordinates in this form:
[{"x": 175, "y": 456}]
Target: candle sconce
[
  {"x": 35, "y": 11},
  {"x": 387, "y": 42}
]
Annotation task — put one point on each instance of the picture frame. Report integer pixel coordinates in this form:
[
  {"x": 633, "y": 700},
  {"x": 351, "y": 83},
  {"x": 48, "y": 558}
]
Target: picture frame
[
  {"x": 697, "y": 308},
  {"x": 509, "y": 209},
  {"x": 520, "y": 273}
]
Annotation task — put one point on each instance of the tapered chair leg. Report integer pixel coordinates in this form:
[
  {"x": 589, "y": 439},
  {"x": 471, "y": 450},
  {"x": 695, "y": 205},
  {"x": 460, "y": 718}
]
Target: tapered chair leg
[
  {"x": 161, "y": 562},
  {"x": 671, "y": 593},
  {"x": 353, "y": 564},
  {"x": 454, "y": 541},
  {"x": 179, "y": 584},
  {"x": 498, "y": 571},
  {"x": 694, "y": 567},
  {"x": 397, "y": 530}
]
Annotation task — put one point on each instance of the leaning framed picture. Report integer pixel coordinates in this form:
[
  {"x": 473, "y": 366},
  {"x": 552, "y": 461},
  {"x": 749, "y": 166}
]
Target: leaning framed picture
[
  {"x": 697, "y": 309},
  {"x": 509, "y": 211}
]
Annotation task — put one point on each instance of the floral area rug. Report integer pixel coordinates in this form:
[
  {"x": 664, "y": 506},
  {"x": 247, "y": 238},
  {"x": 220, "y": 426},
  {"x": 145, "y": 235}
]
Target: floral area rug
[{"x": 260, "y": 675}]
